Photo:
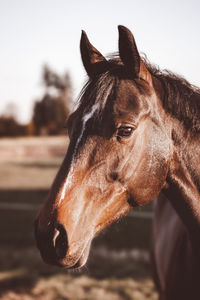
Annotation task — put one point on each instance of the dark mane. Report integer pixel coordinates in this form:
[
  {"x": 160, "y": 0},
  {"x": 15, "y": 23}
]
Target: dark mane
[
  {"x": 97, "y": 91},
  {"x": 102, "y": 87},
  {"x": 180, "y": 98}
]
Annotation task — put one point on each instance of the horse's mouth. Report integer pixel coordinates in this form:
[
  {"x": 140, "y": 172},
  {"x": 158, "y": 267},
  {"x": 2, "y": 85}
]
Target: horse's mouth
[{"x": 78, "y": 261}]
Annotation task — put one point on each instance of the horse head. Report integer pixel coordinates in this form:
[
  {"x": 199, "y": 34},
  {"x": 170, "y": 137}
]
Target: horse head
[{"x": 117, "y": 158}]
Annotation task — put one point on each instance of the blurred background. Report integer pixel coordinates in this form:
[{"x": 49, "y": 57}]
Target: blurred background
[{"x": 41, "y": 75}]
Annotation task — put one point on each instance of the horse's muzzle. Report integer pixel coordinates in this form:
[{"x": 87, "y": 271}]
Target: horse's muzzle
[
  {"x": 54, "y": 248},
  {"x": 52, "y": 242}
]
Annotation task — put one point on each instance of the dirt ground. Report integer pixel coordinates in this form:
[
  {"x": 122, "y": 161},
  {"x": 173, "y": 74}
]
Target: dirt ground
[
  {"x": 119, "y": 265},
  {"x": 109, "y": 275}
]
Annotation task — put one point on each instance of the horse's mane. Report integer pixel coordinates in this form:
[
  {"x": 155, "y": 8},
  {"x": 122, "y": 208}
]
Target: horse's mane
[{"x": 180, "y": 98}]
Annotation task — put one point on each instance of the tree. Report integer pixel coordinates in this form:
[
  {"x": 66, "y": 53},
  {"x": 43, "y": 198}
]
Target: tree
[
  {"x": 10, "y": 127},
  {"x": 51, "y": 111}
]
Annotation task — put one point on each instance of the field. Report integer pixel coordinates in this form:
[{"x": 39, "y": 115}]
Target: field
[{"x": 118, "y": 266}]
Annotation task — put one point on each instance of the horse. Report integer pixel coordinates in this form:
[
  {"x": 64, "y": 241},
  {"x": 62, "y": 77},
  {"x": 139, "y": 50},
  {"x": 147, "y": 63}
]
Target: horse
[{"x": 134, "y": 136}]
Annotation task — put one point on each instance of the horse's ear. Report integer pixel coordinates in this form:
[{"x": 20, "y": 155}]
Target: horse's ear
[
  {"x": 128, "y": 51},
  {"x": 93, "y": 61},
  {"x": 130, "y": 56}
]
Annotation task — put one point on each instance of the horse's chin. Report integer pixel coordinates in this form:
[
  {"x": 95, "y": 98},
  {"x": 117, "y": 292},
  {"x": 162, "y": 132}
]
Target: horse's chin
[{"x": 78, "y": 261}]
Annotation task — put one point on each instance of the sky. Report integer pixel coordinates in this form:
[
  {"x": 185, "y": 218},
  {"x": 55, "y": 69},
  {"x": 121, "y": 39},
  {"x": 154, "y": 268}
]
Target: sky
[{"x": 35, "y": 32}]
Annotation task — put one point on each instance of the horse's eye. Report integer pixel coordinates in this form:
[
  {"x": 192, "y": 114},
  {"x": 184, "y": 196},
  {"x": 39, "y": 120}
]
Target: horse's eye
[{"x": 124, "y": 131}]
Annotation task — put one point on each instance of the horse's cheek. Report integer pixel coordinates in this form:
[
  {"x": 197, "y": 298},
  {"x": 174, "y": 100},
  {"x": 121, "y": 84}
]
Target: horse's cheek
[{"x": 149, "y": 176}]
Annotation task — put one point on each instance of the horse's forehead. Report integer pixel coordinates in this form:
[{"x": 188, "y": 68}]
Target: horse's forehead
[
  {"x": 104, "y": 109},
  {"x": 128, "y": 98}
]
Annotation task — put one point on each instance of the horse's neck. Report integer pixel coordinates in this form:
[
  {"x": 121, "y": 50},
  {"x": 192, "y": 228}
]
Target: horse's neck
[
  {"x": 188, "y": 150},
  {"x": 183, "y": 182}
]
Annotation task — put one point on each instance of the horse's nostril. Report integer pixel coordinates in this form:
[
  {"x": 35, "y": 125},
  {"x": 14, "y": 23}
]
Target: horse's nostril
[{"x": 60, "y": 241}]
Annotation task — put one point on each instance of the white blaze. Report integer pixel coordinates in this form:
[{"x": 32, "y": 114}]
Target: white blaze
[
  {"x": 84, "y": 119},
  {"x": 68, "y": 180}
]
